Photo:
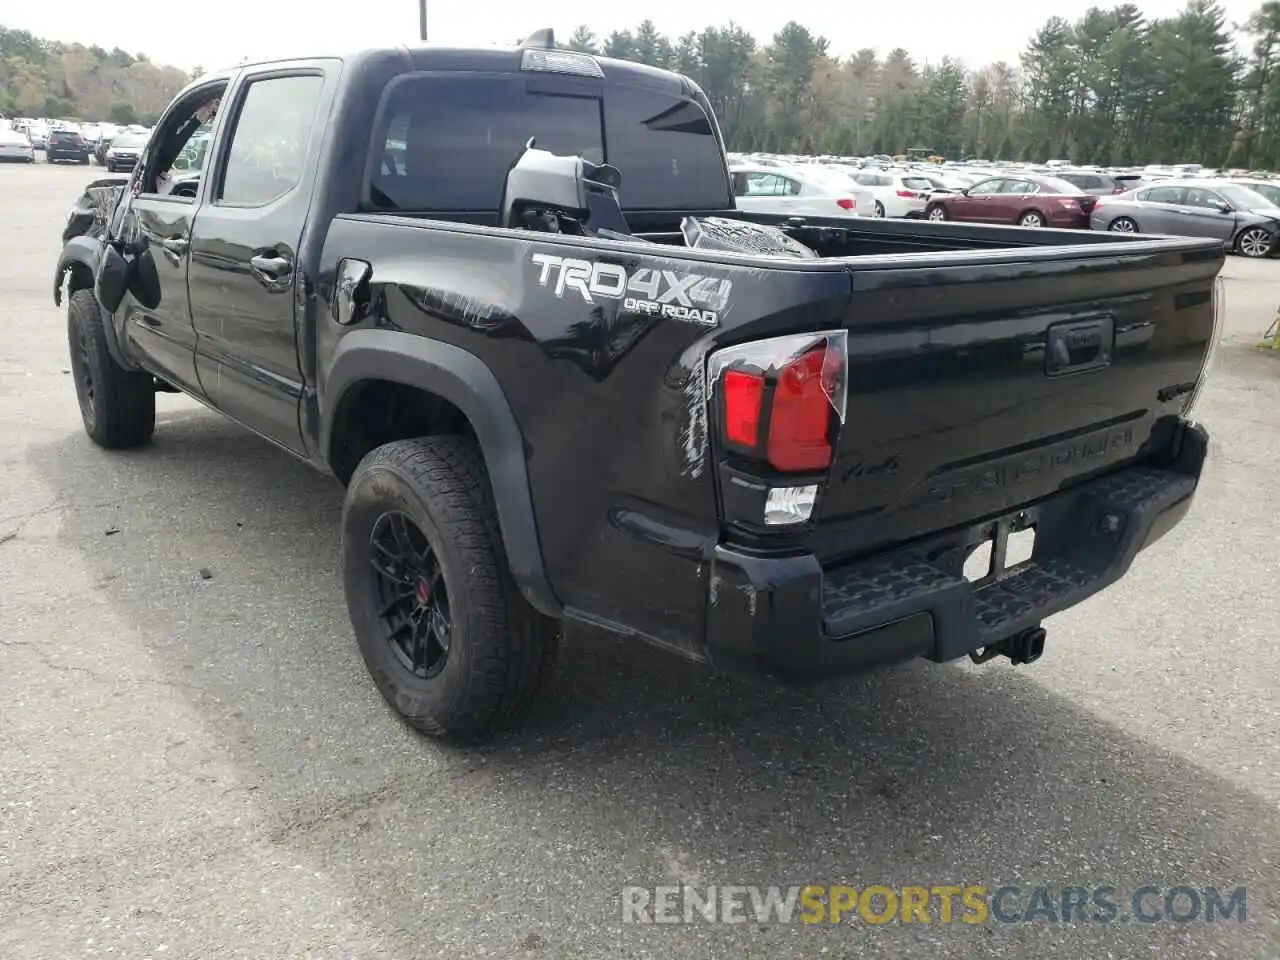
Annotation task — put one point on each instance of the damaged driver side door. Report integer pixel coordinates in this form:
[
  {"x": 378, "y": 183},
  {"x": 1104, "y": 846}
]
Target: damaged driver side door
[{"x": 142, "y": 280}]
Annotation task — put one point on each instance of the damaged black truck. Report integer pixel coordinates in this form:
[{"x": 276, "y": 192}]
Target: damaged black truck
[{"x": 505, "y": 298}]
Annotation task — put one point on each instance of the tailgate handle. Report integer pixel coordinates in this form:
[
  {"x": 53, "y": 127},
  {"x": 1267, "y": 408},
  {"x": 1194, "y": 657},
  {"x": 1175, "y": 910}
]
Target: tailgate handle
[{"x": 1077, "y": 346}]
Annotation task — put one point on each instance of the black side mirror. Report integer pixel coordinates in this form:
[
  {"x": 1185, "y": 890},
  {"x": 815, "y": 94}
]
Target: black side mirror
[
  {"x": 1224, "y": 208},
  {"x": 112, "y": 280}
]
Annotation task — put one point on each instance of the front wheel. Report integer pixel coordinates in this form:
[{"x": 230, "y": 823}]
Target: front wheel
[
  {"x": 451, "y": 644},
  {"x": 1254, "y": 242},
  {"x": 118, "y": 406},
  {"x": 1122, "y": 225},
  {"x": 936, "y": 214},
  {"x": 1031, "y": 219},
  {"x": 878, "y": 210}
]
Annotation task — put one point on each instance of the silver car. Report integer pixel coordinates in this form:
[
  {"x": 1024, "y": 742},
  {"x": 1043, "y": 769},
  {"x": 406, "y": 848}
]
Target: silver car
[
  {"x": 1244, "y": 220},
  {"x": 14, "y": 145}
]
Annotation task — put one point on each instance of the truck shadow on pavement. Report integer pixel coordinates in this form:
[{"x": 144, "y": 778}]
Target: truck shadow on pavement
[{"x": 636, "y": 768}]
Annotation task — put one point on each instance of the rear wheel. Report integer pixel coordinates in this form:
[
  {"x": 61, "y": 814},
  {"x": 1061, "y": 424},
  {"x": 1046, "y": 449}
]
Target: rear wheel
[
  {"x": 1122, "y": 225},
  {"x": 936, "y": 214},
  {"x": 451, "y": 644},
  {"x": 1032, "y": 218},
  {"x": 118, "y": 406},
  {"x": 1254, "y": 242},
  {"x": 879, "y": 209}
]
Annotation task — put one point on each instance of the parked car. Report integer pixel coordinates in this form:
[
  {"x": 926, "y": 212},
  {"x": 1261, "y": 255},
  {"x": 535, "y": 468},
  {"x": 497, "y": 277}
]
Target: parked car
[
  {"x": 1270, "y": 189},
  {"x": 1025, "y": 200},
  {"x": 895, "y": 193},
  {"x": 66, "y": 145},
  {"x": 797, "y": 191},
  {"x": 1099, "y": 184},
  {"x": 15, "y": 146},
  {"x": 561, "y": 389},
  {"x": 123, "y": 152},
  {"x": 1245, "y": 221}
]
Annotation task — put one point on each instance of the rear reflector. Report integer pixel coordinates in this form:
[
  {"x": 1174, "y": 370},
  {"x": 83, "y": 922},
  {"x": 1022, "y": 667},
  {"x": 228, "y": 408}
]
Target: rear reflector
[
  {"x": 742, "y": 395},
  {"x": 782, "y": 401},
  {"x": 846, "y": 203},
  {"x": 1219, "y": 316}
]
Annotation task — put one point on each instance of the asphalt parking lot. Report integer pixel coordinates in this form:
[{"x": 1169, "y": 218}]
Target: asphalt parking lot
[{"x": 200, "y": 768}]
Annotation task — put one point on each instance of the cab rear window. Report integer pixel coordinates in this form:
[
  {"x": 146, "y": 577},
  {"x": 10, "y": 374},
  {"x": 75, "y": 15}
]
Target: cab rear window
[{"x": 444, "y": 144}]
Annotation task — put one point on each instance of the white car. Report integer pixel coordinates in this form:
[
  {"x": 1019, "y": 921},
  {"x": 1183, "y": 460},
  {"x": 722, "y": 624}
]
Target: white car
[
  {"x": 895, "y": 193},
  {"x": 798, "y": 191},
  {"x": 15, "y": 145}
]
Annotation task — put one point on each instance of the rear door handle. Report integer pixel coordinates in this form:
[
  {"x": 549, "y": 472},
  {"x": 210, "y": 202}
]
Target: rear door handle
[
  {"x": 271, "y": 266},
  {"x": 175, "y": 247}
]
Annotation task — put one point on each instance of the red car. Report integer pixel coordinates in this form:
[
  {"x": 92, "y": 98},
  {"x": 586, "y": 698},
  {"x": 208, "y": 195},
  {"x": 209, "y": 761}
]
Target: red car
[{"x": 1028, "y": 201}]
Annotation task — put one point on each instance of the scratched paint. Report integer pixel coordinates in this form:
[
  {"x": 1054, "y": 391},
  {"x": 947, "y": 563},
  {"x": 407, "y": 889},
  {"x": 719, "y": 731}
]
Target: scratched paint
[{"x": 693, "y": 431}]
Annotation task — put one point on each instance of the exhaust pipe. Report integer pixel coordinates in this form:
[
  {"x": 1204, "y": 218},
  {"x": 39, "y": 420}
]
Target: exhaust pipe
[{"x": 1021, "y": 648}]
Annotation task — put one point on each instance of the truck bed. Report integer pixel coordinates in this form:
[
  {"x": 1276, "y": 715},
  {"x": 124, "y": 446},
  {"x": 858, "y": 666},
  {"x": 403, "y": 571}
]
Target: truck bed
[{"x": 951, "y": 417}]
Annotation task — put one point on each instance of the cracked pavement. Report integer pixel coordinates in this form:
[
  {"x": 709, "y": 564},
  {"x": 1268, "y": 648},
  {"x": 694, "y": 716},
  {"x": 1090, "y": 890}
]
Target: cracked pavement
[{"x": 197, "y": 767}]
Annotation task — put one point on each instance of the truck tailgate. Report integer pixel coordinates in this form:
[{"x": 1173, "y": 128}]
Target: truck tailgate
[{"x": 976, "y": 388}]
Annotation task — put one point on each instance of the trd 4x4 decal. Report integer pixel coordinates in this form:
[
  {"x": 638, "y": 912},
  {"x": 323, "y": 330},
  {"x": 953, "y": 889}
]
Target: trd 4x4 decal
[{"x": 670, "y": 294}]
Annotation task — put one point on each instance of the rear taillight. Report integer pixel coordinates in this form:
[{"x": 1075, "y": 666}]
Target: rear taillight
[
  {"x": 847, "y": 203},
  {"x": 779, "y": 405},
  {"x": 782, "y": 401},
  {"x": 907, "y": 194}
]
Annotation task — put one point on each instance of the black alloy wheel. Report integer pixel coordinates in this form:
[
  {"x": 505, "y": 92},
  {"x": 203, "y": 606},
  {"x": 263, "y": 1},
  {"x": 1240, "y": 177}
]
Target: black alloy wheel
[{"x": 413, "y": 595}]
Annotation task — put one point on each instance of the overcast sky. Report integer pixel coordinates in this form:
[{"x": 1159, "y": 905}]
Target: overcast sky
[{"x": 977, "y": 31}]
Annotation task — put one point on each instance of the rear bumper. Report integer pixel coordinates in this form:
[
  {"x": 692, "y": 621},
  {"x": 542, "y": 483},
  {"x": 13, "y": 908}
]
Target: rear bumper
[{"x": 790, "y": 616}]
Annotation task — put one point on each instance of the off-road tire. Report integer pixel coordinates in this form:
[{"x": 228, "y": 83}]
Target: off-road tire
[
  {"x": 501, "y": 650},
  {"x": 118, "y": 406}
]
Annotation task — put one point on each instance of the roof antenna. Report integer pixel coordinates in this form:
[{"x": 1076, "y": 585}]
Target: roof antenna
[{"x": 544, "y": 39}]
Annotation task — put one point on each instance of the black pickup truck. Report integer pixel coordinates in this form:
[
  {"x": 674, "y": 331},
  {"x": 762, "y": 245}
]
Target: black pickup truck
[{"x": 565, "y": 381}]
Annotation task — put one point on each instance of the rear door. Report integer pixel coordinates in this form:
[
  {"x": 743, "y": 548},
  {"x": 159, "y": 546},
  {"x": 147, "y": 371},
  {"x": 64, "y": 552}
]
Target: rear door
[
  {"x": 1160, "y": 210},
  {"x": 1014, "y": 198},
  {"x": 245, "y": 247}
]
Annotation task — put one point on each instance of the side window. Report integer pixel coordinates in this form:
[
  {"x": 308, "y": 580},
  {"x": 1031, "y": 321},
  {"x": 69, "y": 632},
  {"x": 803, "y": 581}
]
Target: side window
[
  {"x": 1020, "y": 187},
  {"x": 1199, "y": 197},
  {"x": 770, "y": 185},
  {"x": 740, "y": 183},
  {"x": 1090, "y": 183},
  {"x": 1164, "y": 195},
  {"x": 986, "y": 187},
  {"x": 270, "y": 139}
]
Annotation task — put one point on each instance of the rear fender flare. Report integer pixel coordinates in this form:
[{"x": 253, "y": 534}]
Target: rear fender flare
[
  {"x": 81, "y": 257},
  {"x": 462, "y": 379}
]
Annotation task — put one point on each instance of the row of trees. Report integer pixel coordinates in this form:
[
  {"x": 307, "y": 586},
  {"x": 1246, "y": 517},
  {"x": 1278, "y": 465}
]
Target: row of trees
[
  {"x": 46, "y": 79},
  {"x": 1111, "y": 88}
]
